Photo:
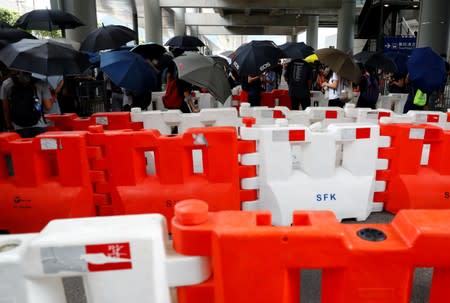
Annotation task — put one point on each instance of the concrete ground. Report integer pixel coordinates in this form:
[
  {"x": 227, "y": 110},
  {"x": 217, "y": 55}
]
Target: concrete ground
[{"x": 310, "y": 282}]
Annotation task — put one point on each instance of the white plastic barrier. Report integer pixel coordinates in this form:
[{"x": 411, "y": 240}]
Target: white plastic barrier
[
  {"x": 267, "y": 116},
  {"x": 430, "y": 117},
  {"x": 163, "y": 121},
  {"x": 366, "y": 115},
  {"x": 318, "y": 99},
  {"x": 395, "y": 102},
  {"x": 226, "y": 116},
  {"x": 205, "y": 100},
  {"x": 326, "y": 115},
  {"x": 121, "y": 259},
  {"x": 157, "y": 102},
  {"x": 297, "y": 170}
]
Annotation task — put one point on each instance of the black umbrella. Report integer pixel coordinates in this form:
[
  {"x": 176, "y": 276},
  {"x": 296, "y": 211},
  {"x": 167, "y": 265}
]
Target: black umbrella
[
  {"x": 44, "y": 57},
  {"x": 184, "y": 41},
  {"x": 13, "y": 35},
  {"x": 255, "y": 57},
  {"x": 3, "y": 24},
  {"x": 377, "y": 60},
  {"x": 296, "y": 50},
  {"x": 149, "y": 50},
  {"x": 107, "y": 37},
  {"x": 48, "y": 20},
  {"x": 380, "y": 60}
]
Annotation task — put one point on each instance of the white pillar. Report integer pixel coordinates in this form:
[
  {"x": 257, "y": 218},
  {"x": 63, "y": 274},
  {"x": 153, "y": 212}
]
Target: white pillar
[
  {"x": 312, "y": 32},
  {"x": 153, "y": 21},
  {"x": 194, "y": 28},
  {"x": 179, "y": 22},
  {"x": 434, "y": 25},
  {"x": 346, "y": 21},
  {"x": 86, "y": 11}
]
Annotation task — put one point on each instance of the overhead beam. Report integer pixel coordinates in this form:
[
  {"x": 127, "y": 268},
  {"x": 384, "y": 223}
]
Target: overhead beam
[
  {"x": 268, "y": 30},
  {"x": 219, "y": 11},
  {"x": 202, "y": 19},
  {"x": 254, "y": 4}
]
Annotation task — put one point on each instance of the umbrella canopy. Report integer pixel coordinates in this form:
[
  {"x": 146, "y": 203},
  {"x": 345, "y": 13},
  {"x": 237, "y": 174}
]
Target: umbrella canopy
[
  {"x": 255, "y": 57},
  {"x": 204, "y": 72},
  {"x": 149, "y": 50},
  {"x": 107, "y": 37},
  {"x": 400, "y": 60},
  {"x": 426, "y": 70},
  {"x": 377, "y": 60},
  {"x": 13, "y": 35},
  {"x": 3, "y": 24},
  {"x": 128, "y": 70},
  {"x": 184, "y": 41},
  {"x": 340, "y": 62},
  {"x": 363, "y": 56},
  {"x": 224, "y": 61},
  {"x": 296, "y": 50},
  {"x": 48, "y": 19},
  {"x": 44, "y": 57}
]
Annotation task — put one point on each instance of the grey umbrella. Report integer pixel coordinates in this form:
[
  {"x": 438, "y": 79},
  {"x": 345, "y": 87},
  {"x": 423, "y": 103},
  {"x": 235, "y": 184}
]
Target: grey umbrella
[{"x": 204, "y": 72}]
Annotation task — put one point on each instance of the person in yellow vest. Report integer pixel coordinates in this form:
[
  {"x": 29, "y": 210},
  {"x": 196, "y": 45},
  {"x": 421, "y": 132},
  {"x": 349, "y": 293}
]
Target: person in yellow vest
[{"x": 417, "y": 99}]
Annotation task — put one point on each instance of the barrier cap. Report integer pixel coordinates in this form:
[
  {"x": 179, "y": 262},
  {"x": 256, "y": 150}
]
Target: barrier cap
[{"x": 191, "y": 212}]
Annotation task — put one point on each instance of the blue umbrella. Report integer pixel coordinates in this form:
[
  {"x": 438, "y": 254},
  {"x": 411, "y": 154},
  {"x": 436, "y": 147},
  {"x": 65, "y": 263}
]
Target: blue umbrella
[
  {"x": 400, "y": 60},
  {"x": 426, "y": 70},
  {"x": 128, "y": 70}
]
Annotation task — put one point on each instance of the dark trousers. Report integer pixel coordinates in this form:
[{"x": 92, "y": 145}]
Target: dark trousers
[
  {"x": 254, "y": 100},
  {"x": 30, "y": 132},
  {"x": 336, "y": 102},
  {"x": 296, "y": 101}
]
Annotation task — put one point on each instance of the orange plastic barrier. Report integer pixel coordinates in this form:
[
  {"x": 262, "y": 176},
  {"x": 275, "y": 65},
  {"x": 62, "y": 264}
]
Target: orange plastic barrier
[
  {"x": 146, "y": 172},
  {"x": 418, "y": 173},
  {"x": 267, "y": 99},
  {"x": 42, "y": 179},
  {"x": 110, "y": 121},
  {"x": 253, "y": 261}
]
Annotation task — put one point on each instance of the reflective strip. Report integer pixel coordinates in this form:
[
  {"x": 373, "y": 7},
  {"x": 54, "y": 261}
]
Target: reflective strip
[
  {"x": 355, "y": 133},
  {"x": 363, "y": 133},
  {"x": 383, "y": 114},
  {"x": 433, "y": 118},
  {"x": 421, "y": 118},
  {"x": 111, "y": 256},
  {"x": 267, "y": 113},
  {"x": 297, "y": 135},
  {"x": 288, "y": 135},
  {"x": 278, "y": 114},
  {"x": 101, "y": 120},
  {"x": 331, "y": 114},
  {"x": 373, "y": 115},
  {"x": 417, "y": 133},
  {"x": 49, "y": 144}
]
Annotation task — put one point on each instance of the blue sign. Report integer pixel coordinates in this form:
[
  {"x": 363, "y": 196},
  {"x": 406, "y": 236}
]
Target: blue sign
[{"x": 402, "y": 44}]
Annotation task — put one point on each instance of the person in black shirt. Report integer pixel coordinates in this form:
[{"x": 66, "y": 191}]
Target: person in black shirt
[{"x": 299, "y": 79}]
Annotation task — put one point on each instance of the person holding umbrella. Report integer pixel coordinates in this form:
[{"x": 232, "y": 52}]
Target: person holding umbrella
[
  {"x": 334, "y": 86},
  {"x": 24, "y": 101}
]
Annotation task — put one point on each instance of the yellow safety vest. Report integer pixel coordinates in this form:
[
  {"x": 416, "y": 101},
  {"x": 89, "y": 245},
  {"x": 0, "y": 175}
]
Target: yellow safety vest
[{"x": 420, "y": 98}]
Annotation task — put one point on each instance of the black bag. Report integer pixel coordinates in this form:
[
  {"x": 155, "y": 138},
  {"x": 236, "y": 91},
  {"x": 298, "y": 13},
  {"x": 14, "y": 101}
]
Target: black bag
[{"x": 25, "y": 106}]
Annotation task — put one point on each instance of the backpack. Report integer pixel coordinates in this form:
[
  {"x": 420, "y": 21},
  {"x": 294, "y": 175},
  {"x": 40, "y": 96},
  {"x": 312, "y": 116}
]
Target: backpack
[
  {"x": 25, "y": 106},
  {"x": 172, "y": 98}
]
